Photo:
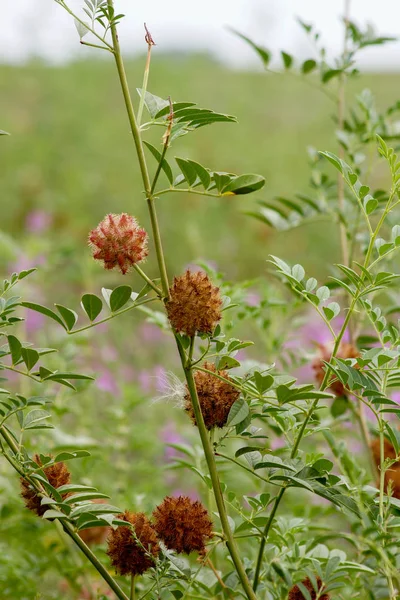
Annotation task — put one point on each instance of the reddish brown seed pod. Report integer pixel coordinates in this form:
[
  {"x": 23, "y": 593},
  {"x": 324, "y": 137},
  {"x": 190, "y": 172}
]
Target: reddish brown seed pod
[
  {"x": 345, "y": 350},
  {"x": 184, "y": 525},
  {"x": 296, "y": 594},
  {"x": 215, "y": 396},
  {"x": 133, "y": 554},
  {"x": 194, "y": 305},
  {"x": 118, "y": 242},
  {"x": 57, "y": 476}
]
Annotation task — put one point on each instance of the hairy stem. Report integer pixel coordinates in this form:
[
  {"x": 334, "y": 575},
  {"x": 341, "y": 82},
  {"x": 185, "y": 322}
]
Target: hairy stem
[
  {"x": 140, "y": 154},
  {"x": 324, "y": 383},
  {"x": 212, "y": 468},
  {"x": 231, "y": 544},
  {"x": 133, "y": 593},
  {"x": 340, "y": 114},
  {"x": 145, "y": 82}
]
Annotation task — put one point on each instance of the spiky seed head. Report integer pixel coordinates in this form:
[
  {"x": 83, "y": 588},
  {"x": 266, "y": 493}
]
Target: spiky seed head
[
  {"x": 345, "y": 350},
  {"x": 215, "y": 396},
  {"x": 296, "y": 594},
  {"x": 133, "y": 553},
  {"x": 118, "y": 242},
  {"x": 195, "y": 304},
  {"x": 57, "y": 475},
  {"x": 184, "y": 525}
]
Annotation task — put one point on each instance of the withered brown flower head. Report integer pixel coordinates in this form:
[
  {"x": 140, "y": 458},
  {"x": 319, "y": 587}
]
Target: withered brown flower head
[
  {"x": 215, "y": 396},
  {"x": 296, "y": 594},
  {"x": 57, "y": 476},
  {"x": 95, "y": 535},
  {"x": 194, "y": 304},
  {"x": 119, "y": 242},
  {"x": 345, "y": 350},
  {"x": 132, "y": 556},
  {"x": 392, "y": 475},
  {"x": 183, "y": 524}
]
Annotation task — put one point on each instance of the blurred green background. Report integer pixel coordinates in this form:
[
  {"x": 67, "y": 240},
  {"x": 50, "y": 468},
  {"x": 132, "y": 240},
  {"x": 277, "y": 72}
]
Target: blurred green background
[{"x": 69, "y": 161}]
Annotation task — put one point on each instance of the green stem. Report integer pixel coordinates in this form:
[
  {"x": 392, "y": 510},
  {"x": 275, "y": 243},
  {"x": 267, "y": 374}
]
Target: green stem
[
  {"x": 159, "y": 167},
  {"x": 323, "y": 386},
  {"x": 140, "y": 154},
  {"x": 62, "y": 3},
  {"x": 158, "y": 245},
  {"x": 340, "y": 116},
  {"x": 188, "y": 191},
  {"x": 212, "y": 468},
  {"x": 120, "y": 312},
  {"x": 144, "y": 85},
  {"x": 96, "y": 46},
  {"x": 133, "y": 593},
  {"x": 69, "y": 530},
  {"x": 264, "y": 538},
  {"x": 147, "y": 279}
]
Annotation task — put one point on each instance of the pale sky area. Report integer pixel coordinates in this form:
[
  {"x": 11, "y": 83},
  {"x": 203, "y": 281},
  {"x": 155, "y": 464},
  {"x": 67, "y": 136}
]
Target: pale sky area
[{"x": 41, "y": 28}]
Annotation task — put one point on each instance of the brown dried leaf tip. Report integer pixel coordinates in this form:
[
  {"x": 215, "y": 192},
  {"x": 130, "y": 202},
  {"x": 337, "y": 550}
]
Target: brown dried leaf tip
[
  {"x": 392, "y": 475},
  {"x": 183, "y": 524},
  {"x": 296, "y": 594},
  {"x": 345, "y": 350},
  {"x": 119, "y": 242},
  {"x": 57, "y": 476},
  {"x": 194, "y": 304},
  {"x": 130, "y": 555},
  {"x": 215, "y": 396}
]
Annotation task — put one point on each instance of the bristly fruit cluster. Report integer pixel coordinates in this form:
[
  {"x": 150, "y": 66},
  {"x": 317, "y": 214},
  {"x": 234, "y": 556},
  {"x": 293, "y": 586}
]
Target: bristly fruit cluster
[
  {"x": 195, "y": 304},
  {"x": 183, "y": 524},
  {"x": 57, "y": 475},
  {"x": 119, "y": 242},
  {"x": 216, "y": 396},
  {"x": 296, "y": 593},
  {"x": 133, "y": 552}
]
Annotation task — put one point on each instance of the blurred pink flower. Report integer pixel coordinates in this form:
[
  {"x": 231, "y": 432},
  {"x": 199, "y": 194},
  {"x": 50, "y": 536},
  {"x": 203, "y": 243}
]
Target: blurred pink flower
[
  {"x": 34, "y": 321},
  {"x": 161, "y": 379},
  {"x": 276, "y": 443},
  {"x": 107, "y": 383},
  {"x": 38, "y": 221},
  {"x": 170, "y": 435},
  {"x": 253, "y": 299},
  {"x": 127, "y": 373},
  {"x": 24, "y": 262},
  {"x": 192, "y": 494},
  {"x": 150, "y": 333},
  {"x": 153, "y": 380},
  {"x": 145, "y": 381},
  {"x": 109, "y": 353}
]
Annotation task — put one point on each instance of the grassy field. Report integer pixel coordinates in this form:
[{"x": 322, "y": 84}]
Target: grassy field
[{"x": 71, "y": 155}]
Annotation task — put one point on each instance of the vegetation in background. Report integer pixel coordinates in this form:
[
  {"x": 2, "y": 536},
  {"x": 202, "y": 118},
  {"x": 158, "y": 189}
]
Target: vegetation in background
[{"x": 283, "y": 476}]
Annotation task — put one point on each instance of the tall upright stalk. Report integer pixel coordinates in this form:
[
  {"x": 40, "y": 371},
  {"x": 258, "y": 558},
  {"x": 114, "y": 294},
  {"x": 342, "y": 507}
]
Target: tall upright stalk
[
  {"x": 187, "y": 367},
  {"x": 341, "y": 108},
  {"x": 323, "y": 386}
]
